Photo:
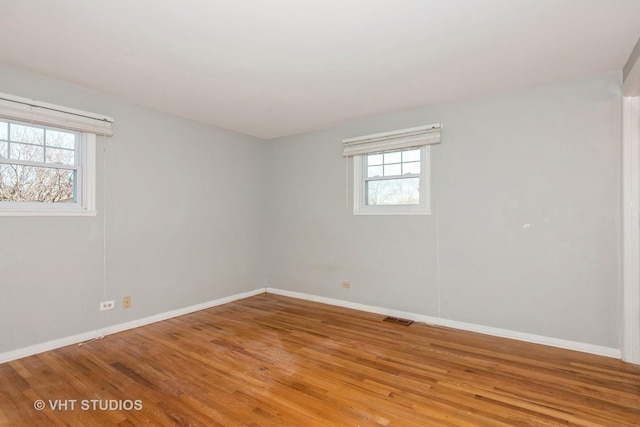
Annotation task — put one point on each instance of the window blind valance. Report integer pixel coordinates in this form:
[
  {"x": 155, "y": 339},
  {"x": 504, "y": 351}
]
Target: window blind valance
[
  {"x": 395, "y": 140},
  {"x": 42, "y": 113}
]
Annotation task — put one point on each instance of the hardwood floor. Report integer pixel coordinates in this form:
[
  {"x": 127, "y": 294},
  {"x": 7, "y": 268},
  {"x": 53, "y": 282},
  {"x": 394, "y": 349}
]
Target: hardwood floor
[{"x": 275, "y": 361}]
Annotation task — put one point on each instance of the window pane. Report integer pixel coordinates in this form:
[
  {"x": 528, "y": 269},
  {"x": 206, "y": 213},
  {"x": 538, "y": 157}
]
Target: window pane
[
  {"x": 374, "y": 171},
  {"x": 59, "y": 155},
  {"x": 36, "y": 184},
  {"x": 393, "y": 157},
  {"x": 413, "y": 167},
  {"x": 4, "y": 131},
  {"x": 391, "y": 170},
  {"x": 411, "y": 156},
  {"x": 61, "y": 139},
  {"x": 27, "y": 134},
  {"x": 403, "y": 191},
  {"x": 374, "y": 159},
  {"x": 31, "y": 153},
  {"x": 3, "y": 149}
]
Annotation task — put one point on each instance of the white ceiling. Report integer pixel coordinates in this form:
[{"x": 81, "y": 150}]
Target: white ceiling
[{"x": 280, "y": 67}]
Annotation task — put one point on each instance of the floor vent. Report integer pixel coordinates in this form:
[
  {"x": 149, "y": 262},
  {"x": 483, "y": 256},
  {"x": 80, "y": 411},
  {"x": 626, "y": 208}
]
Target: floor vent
[{"x": 405, "y": 322}]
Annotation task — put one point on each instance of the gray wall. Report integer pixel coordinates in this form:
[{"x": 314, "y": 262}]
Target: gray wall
[
  {"x": 195, "y": 213},
  {"x": 183, "y": 224},
  {"x": 525, "y": 225}
]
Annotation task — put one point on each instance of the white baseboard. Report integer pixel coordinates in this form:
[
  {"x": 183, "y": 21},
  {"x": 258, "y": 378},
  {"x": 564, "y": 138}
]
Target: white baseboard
[
  {"x": 498, "y": 332},
  {"x": 46, "y": 346},
  {"x": 505, "y": 333},
  {"x": 87, "y": 336},
  {"x": 179, "y": 312}
]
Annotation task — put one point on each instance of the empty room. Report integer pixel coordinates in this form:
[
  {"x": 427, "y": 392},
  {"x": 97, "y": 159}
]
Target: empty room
[{"x": 320, "y": 213}]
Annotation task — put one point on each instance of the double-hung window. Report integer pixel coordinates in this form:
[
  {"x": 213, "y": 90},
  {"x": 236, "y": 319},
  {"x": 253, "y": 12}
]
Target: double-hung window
[
  {"x": 39, "y": 164},
  {"x": 47, "y": 158},
  {"x": 393, "y": 181},
  {"x": 391, "y": 171}
]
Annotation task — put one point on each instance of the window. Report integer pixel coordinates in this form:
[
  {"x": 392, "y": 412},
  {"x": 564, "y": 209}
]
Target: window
[
  {"x": 41, "y": 166},
  {"x": 392, "y": 182},
  {"x": 391, "y": 170},
  {"x": 47, "y": 158}
]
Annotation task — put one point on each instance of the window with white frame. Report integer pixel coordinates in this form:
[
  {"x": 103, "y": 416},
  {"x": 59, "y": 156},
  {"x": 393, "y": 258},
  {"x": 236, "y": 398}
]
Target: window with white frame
[
  {"x": 391, "y": 171},
  {"x": 393, "y": 179},
  {"x": 47, "y": 158}
]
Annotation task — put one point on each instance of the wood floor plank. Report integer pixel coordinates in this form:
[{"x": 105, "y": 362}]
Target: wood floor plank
[{"x": 269, "y": 361}]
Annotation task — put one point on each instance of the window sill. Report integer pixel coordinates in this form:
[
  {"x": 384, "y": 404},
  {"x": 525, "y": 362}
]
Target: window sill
[
  {"x": 47, "y": 212},
  {"x": 392, "y": 212}
]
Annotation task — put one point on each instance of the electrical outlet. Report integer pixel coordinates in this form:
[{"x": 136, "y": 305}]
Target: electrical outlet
[
  {"x": 126, "y": 302},
  {"x": 346, "y": 285},
  {"x": 107, "y": 305}
]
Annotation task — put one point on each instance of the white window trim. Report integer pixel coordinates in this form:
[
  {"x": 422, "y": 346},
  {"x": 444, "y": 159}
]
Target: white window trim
[
  {"x": 416, "y": 137},
  {"x": 88, "y": 124},
  {"x": 424, "y": 208},
  {"x": 87, "y": 189}
]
